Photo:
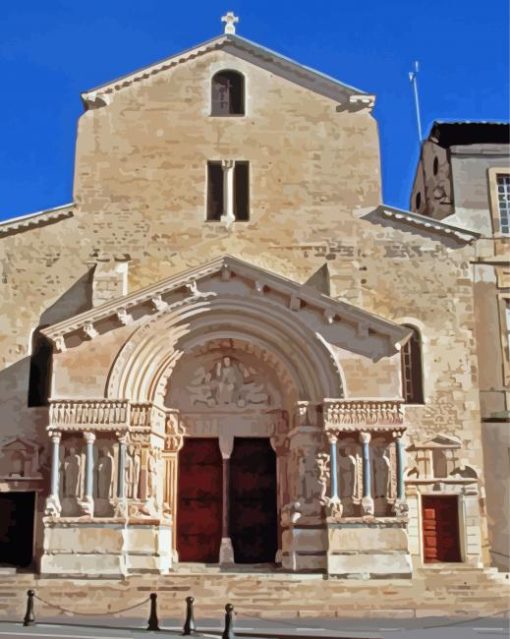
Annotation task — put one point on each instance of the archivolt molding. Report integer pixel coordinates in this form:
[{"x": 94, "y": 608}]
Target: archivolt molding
[{"x": 145, "y": 363}]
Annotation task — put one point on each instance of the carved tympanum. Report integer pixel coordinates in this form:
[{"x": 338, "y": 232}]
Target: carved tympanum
[{"x": 228, "y": 383}]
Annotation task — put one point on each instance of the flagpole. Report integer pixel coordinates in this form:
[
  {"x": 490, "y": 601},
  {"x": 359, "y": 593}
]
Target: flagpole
[{"x": 413, "y": 78}]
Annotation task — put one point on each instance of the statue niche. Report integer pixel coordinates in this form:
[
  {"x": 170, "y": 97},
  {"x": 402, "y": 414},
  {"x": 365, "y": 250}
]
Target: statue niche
[{"x": 227, "y": 383}]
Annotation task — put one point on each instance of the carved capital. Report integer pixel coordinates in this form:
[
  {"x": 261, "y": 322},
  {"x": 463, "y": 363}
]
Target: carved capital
[
  {"x": 332, "y": 437},
  {"x": 365, "y": 437},
  {"x": 55, "y": 436},
  {"x": 89, "y": 437}
]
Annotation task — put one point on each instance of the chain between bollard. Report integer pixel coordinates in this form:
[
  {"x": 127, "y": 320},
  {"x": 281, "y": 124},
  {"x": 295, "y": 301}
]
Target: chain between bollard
[{"x": 88, "y": 614}]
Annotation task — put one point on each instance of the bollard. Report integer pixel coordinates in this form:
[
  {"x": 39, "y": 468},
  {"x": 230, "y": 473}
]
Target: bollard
[
  {"x": 189, "y": 624},
  {"x": 29, "y": 619},
  {"x": 229, "y": 633},
  {"x": 153, "y": 623}
]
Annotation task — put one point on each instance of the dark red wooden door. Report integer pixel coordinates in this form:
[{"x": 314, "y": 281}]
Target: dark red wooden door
[
  {"x": 252, "y": 520},
  {"x": 440, "y": 529},
  {"x": 199, "y": 507}
]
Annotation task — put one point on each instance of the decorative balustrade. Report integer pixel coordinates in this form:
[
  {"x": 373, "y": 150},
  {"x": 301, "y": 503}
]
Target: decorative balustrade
[
  {"x": 100, "y": 414},
  {"x": 108, "y": 414},
  {"x": 355, "y": 414}
]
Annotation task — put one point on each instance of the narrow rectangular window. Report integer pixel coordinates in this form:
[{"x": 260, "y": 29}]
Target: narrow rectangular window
[
  {"x": 214, "y": 191},
  {"x": 503, "y": 182},
  {"x": 241, "y": 191}
]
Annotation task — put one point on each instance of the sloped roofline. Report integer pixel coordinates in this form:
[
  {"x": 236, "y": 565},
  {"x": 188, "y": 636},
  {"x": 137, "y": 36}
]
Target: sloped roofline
[
  {"x": 39, "y": 218},
  {"x": 189, "y": 278},
  {"x": 331, "y": 86},
  {"x": 428, "y": 223}
]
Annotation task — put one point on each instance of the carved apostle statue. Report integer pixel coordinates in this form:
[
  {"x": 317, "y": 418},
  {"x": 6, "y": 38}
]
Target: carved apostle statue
[
  {"x": 71, "y": 474},
  {"x": 104, "y": 473}
]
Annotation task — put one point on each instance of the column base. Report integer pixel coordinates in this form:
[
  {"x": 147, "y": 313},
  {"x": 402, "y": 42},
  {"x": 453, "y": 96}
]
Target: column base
[
  {"x": 226, "y": 552},
  {"x": 53, "y": 507},
  {"x": 367, "y": 506}
]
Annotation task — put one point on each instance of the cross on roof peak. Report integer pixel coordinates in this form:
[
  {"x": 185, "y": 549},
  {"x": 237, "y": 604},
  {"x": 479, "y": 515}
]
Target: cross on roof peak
[{"x": 230, "y": 21}]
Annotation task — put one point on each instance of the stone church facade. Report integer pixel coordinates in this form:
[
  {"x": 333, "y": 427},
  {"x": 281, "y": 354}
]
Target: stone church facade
[{"x": 227, "y": 349}]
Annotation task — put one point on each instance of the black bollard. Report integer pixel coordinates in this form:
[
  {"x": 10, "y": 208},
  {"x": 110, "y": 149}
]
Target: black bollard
[
  {"x": 29, "y": 619},
  {"x": 153, "y": 623},
  {"x": 229, "y": 633},
  {"x": 189, "y": 624}
]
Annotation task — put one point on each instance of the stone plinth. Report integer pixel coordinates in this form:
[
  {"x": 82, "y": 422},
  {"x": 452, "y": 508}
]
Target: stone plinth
[
  {"x": 106, "y": 547},
  {"x": 368, "y": 549},
  {"x": 304, "y": 548}
]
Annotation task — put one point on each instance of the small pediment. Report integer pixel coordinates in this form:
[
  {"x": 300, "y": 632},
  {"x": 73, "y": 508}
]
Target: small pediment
[
  {"x": 337, "y": 322},
  {"x": 19, "y": 444},
  {"x": 446, "y": 442},
  {"x": 347, "y": 96}
]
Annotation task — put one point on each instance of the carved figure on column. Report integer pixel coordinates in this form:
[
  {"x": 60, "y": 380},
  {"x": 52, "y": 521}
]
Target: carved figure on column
[
  {"x": 152, "y": 475},
  {"x": 132, "y": 472},
  {"x": 104, "y": 474},
  {"x": 324, "y": 475},
  {"x": 71, "y": 474},
  {"x": 348, "y": 473},
  {"x": 382, "y": 472}
]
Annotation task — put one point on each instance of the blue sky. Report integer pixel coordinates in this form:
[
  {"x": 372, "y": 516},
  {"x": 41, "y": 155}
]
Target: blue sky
[{"x": 51, "y": 50}]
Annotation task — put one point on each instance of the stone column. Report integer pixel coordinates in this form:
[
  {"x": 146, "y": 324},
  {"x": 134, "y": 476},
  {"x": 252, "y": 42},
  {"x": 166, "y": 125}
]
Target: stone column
[
  {"x": 228, "y": 192},
  {"x": 367, "y": 502},
  {"x": 88, "y": 497},
  {"x": 53, "y": 507},
  {"x": 400, "y": 501},
  {"x": 334, "y": 506},
  {"x": 226, "y": 548}
]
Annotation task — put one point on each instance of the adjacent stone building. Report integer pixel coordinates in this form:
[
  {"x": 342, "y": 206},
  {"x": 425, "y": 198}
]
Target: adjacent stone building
[
  {"x": 227, "y": 349},
  {"x": 463, "y": 177}
]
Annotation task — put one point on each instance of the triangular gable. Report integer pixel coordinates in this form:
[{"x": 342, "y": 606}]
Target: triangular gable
[
  {"x": 186, "y": 286},
  {"x": 246, "y": 50}
]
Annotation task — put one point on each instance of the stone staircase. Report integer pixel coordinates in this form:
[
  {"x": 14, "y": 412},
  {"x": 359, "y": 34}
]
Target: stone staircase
[{"x": 446, "y": 591}]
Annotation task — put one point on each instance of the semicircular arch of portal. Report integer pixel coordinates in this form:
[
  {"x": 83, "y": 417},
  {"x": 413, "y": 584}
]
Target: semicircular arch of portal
[{"x": 145, "y": 363}]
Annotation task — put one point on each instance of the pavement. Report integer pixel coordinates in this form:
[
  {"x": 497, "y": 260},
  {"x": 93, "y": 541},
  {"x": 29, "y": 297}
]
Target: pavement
[{"x": 321, "y": 628}]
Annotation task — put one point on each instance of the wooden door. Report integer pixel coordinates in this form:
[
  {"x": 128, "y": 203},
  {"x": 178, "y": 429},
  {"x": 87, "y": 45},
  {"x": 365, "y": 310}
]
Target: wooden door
[
  {"x": 252, "y": 520},
  {"x": 199, "y": 508},
  {"x": 16, "y": 528},
  {"x": 440, "y": 529}
]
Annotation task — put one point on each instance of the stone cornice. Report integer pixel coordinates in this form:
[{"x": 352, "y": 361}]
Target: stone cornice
[
  {"x": 314, "y": 80},
  {"x": 183, "y": 289},
  {"x": 33, "y": 220},
  {"x": 428, "y": 224}
]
